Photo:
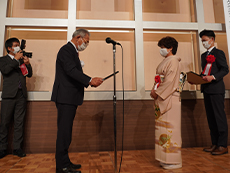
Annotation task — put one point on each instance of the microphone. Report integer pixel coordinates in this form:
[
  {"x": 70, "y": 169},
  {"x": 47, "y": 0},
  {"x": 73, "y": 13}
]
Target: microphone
[{"x": 109, "y": 40}]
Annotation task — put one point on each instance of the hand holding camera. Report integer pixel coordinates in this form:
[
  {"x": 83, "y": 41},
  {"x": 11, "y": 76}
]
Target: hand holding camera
[
  {"x": 23, "y": 59},
  {"x": 18, "y": 55},
  {"x": 26, "y": 60}
]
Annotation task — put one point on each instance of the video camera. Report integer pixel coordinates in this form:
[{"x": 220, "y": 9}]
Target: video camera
[{"x": 23, "y": 45}]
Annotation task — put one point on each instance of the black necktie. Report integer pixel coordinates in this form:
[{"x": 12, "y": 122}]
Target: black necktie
[{"x": 19, "y": 85}]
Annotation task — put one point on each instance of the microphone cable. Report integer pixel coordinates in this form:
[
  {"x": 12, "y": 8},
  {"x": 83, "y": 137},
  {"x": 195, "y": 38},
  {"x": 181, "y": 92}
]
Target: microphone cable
[{"x": 123, "y": 112}]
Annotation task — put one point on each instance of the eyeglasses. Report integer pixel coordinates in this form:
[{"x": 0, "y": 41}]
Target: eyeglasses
[{"x": 86, "y": 42}]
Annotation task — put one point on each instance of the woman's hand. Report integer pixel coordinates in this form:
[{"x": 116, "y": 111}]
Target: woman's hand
[{"x": 153, "y": 94}]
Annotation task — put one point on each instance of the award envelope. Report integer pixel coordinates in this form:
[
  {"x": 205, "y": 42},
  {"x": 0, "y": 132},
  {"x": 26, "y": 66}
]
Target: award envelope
[
  {"x": 107, "y": 77},
  {"x": 110, "y": 75},
  {"x": 195, "y": 78}
]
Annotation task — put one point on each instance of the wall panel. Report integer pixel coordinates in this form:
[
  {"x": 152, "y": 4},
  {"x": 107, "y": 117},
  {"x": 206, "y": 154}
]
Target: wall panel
[
  {"x": 38, "y": 9},
  {"x": 93, "y": 126}
]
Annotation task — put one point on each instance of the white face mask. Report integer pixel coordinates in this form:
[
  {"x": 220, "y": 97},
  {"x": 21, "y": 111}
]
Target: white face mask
[
  {"x": 164, "y": 52},
  {"x": 16, "y": 49},
  {"x": 82, "y": 47},
  {"x": 206, "y": 44}
]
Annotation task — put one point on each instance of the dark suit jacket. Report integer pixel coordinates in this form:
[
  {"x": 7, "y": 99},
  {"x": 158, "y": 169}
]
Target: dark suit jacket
[
  {"x": 11, "y": 75},
  {"x": 219, "y": 70},
  {"x": 70, "y": 80}
]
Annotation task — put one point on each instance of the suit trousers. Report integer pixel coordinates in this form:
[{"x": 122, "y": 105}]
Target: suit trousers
[
  {"x": 217, "y": 121},
  {"x": 66, "y": 114},
  {"x": 16, "y": 108}
]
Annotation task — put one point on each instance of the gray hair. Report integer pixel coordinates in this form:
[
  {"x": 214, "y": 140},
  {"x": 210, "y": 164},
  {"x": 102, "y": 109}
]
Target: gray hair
[{"x": 81, "y": 32}]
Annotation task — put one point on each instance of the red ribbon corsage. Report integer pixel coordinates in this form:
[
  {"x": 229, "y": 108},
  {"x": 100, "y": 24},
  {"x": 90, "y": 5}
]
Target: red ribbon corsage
[{"x": 210, "y": 59}]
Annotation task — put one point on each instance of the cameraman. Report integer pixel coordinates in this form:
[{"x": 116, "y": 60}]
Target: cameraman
[{"x": 14, "y": 68}]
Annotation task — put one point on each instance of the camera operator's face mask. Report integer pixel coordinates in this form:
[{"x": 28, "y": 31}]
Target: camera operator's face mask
[
  {"x": 83, "y": 46},
  {"x": 16, "y": 49}
]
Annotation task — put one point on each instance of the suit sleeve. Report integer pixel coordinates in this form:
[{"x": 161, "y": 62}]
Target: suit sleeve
[
  {"x": 202, "y": 64},
  {"x": 5, "y": 67},
  {"x": 222, "y": 65},
  {"x": 30, "y": 71},
  {"x": 69, "y": 66}
]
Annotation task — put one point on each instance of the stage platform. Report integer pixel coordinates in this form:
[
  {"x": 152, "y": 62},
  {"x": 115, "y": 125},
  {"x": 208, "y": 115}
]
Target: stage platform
[{"x": 135, "y": 161}]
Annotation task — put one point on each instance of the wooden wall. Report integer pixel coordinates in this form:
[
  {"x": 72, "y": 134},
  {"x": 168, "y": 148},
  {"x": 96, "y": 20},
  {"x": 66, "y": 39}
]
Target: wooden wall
[{"x": 93, "y": 126}]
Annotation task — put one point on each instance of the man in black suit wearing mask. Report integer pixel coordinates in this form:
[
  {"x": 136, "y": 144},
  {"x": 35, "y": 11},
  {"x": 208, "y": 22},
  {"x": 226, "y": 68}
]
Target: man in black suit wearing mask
[
  {"x": 215, "y": 67},
  {"x": 14, "y": 68},
  {"x": 68, "y": 93}
]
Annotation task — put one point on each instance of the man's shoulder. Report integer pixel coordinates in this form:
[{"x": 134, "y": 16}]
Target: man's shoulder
[
  {"x": 204, "y": 53},
  {"x": 215, "y": 50},
  {"x": 4, "y": 57},
  {"x": 218, "y": 53},
  {"x": 67, "y": 46},
  {"x": 66, "y": 50}
]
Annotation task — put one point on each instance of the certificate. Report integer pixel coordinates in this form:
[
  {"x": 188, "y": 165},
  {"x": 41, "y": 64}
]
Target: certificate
[
  {"x": 195, "y": 78},
  {"x": 110, "y": 75}
]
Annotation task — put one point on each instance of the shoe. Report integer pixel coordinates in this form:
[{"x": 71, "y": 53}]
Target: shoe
[
  {"x": 19, "y": 153},
  {"x": 172, "y": 166},
  {"x": 220, "y": 150},
  {"x": 75, "y": 166},
  {"x": 67, "y": 170},
  {"x": 210, "y": 149},
  {"x": 3, "y": 153},
  {"x": 163, "y": 164}
]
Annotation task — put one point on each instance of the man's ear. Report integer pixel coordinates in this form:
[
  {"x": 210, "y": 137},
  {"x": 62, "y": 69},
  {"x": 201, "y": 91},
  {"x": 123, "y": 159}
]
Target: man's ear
[{"x": 8, "y": 48}]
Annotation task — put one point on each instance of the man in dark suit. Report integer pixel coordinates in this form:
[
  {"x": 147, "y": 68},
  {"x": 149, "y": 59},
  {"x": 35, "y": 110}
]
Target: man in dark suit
[
  {"x": 14, "y": 68},
  {"x": 215, "y": 67},
  {"x": 68, "y": 93}
]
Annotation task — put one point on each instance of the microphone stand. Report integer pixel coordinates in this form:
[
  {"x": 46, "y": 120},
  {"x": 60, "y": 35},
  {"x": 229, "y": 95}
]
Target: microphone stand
[{"x": 114, "y": 109}]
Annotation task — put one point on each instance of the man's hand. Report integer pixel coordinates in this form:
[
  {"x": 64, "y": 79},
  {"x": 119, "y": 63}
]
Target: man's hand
[
  {"x": 18, "y": 55},
  {"x": 26, "y": 60},
  {"x": 153, "y": 94},
  {"x": 96, "y": 81},
  {"x": 208, "y": 78}
]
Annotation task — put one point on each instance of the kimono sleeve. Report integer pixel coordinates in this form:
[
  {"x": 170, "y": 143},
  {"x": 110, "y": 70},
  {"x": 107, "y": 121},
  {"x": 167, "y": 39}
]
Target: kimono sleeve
[{"x": 171, "y": 79}]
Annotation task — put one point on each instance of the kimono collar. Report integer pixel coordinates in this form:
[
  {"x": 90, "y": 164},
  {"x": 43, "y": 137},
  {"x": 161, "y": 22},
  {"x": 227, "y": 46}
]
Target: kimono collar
[{"x": 174, "y": 56}]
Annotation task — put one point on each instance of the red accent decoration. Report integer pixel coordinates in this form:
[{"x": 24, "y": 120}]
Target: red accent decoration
[
  {"x": 210, "y": 59},
  {"x": 157, "y": 79},
  {"x": 24, "y": 69}
]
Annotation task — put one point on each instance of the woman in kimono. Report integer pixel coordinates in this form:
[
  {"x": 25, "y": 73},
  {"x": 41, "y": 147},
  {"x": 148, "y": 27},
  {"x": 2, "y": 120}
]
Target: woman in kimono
[{"x": 167, "y": 106}]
